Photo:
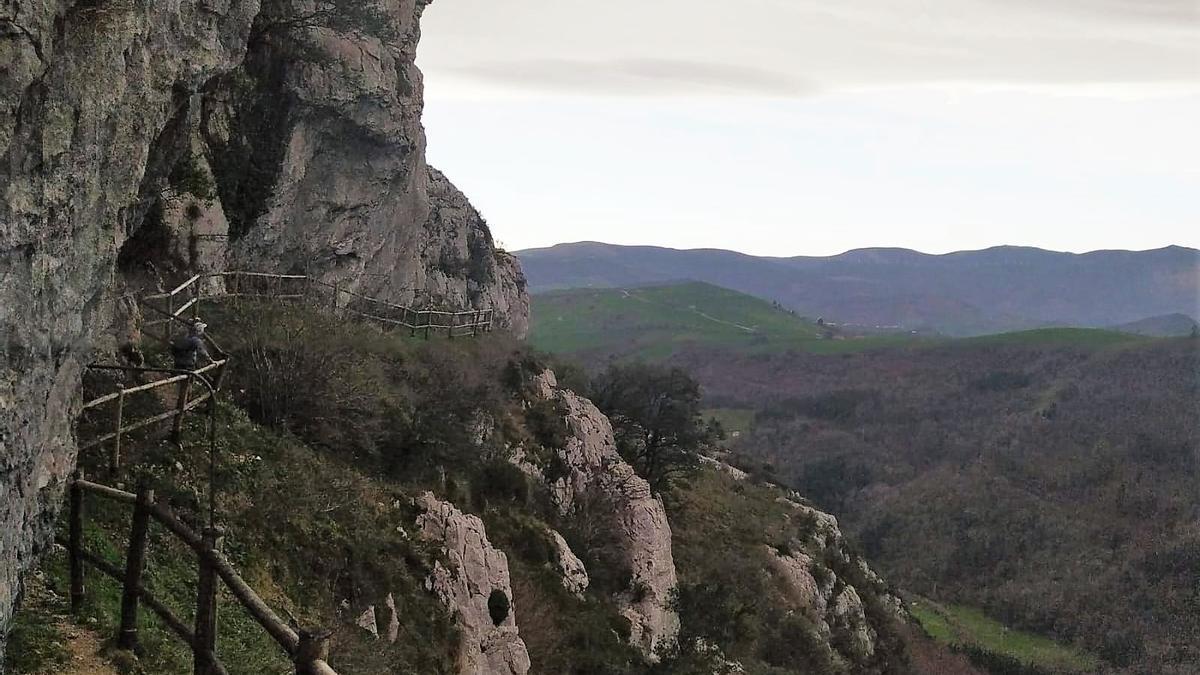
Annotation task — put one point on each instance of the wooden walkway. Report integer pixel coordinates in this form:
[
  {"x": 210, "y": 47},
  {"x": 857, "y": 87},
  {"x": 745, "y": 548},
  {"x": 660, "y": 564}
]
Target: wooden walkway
[
  {"x": 307, "y": 649},
  {"x": 171, "y": 306}
]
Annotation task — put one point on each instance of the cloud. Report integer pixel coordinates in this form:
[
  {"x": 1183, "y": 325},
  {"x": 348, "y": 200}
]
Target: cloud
[
  {"x": 1167, "y": 12},
  {"x": 638, "y": 76},
  {"x": 792, "y": 48}
]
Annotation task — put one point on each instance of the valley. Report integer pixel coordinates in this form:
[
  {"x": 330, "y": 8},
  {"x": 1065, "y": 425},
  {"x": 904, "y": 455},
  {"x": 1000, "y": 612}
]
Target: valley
[{"x": 1041, "y": 480}]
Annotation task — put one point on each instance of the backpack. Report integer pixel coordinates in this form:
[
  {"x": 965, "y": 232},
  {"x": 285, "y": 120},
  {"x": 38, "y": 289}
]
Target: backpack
[{"x": 182, "y": 348}]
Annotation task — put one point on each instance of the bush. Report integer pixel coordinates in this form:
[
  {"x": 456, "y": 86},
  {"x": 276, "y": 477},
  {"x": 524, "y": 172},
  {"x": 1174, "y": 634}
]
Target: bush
[
  {"x": 1002, "y": 380},
  {"x": 546, "y": 421},
  {"x": 189, "y": 177},
  {"x": 500, "y": 481}
]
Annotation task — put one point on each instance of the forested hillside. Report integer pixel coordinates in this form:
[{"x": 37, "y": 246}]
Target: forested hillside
[{"x": 1049, "y": 478}]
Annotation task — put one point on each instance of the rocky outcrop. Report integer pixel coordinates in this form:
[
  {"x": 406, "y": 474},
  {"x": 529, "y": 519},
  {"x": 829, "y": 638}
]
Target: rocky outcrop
[
  {"x": 320, "y": 161},
  {"x": 825, "y": 582},
  {"x": 570, "y": 567},
  {"x": 86, "y": 90},
  {"x": 467, "y": 583},
  {"x": 598, "y": 487}
]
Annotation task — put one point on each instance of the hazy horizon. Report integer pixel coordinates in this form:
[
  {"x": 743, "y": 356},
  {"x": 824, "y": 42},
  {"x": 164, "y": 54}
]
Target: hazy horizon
[
  {"x": 816, "y": 129},
  {"x": 851, "y": 250}
]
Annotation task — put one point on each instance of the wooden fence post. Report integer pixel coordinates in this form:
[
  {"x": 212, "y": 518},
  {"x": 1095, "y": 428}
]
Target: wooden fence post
[
  {"x": 75, "y": 549},
  {"x": 219, "y": 378},
  {"x": 177, "y": 430},
  {"x": 313, "y": 646},
  {"x": 206, "y": 603},
  {"x": 114, "y": 460},
  {"x": 135, "y": 564}
]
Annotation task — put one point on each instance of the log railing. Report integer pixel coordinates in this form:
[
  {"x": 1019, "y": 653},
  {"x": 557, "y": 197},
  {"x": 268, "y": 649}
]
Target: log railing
[
  {"x": 172, "y": 305},
  {"x": 307, "y": 649},
  {"x": 209, "y": 377}
]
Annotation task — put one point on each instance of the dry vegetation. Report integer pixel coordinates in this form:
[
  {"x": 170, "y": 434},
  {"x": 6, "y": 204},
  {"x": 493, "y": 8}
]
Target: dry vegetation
[{"x": 1052, "y": 484}]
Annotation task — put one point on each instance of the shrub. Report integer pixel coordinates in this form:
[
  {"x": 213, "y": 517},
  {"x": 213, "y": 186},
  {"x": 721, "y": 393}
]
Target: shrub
[
  {"x": 500, "y": 481},
  {"x": 189, "y": 177},
  {"x": 546, "y": 421},
  {"x": 1002, "y": 380}
]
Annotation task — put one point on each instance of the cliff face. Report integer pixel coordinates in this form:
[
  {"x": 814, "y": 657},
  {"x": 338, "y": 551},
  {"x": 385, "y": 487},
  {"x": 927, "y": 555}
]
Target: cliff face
[
  {"x": 86, "y": 91},
  {"x": 141, "y": 141},
  {"x": 319, "y": 159}
]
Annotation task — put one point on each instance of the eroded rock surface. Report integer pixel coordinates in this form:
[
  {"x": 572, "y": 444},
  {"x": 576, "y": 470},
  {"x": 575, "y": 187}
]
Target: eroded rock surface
[
  {"x": 825, "y": 582},
  {"x": 86, "y": 89},
  {"x": 473, "y": 572},
  {"x": 597, "y": 485},
  {"x": 320, "y": 161},
  {"x": 570, "y": 567}
]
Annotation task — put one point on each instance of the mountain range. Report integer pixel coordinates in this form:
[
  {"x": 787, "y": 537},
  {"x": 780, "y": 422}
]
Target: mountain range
[{"x": 964, "y": 293}]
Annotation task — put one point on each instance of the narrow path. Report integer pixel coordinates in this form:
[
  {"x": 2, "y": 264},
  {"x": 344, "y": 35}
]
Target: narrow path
[
  {"x": 75, "y": 649},
  {"x": 748, "y": 329},
  {"x": 85, "y": 648}
]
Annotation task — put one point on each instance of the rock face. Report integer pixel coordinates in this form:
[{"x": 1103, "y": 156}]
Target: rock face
[
  {"x": 600, "y": 487},
  {"x": 570, "y": 567},
  {"x": 474, "y": 572},
  {"x": 320, "y": 162},
  {"x": 823, "y": 580},
  {"x": 144, "y": 141},
  {"x": 86, "y": 89}
]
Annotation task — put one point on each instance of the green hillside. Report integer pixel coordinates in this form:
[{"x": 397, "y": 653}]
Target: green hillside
[
  {"x": 658, "y": 321},
  {"x": 1053, "y": 337}
]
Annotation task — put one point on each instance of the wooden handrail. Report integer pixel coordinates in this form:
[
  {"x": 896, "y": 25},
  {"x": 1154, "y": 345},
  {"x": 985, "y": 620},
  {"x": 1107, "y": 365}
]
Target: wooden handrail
[{"x": 304, "y": 649}]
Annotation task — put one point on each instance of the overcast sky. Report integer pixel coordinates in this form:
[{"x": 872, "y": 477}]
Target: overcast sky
[{"x": 790, "y": 127}]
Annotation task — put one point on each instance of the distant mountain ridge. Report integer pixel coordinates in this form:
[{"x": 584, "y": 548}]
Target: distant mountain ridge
[
  {"x": 962, "y": 293},
  {"x": 1165, "y": 325}
]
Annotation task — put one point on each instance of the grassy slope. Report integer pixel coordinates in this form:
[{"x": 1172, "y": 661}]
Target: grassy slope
[
  {"x": 959, "y": 625},
  {"x": 284, "y": 538},
  {"x": 1054, "y": 337},
  {"x": 657, "y": 321}
]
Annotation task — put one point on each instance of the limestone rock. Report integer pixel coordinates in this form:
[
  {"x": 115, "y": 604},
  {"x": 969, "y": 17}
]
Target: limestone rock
[
  {"x": 850, "y": 621},
  {"x": 392, "y": 630},
  {"x": 366, "y": 621},
  {"x": 833, "y": 604},
  {"x": 599, "y": 484},
  {"x": 86, "y": 90},
  {"x": 473, "y": 572},
  {"x": 734, "y": 472},
  {"x": 570, "y": 567},
  {"x": 335, "y": 151}
]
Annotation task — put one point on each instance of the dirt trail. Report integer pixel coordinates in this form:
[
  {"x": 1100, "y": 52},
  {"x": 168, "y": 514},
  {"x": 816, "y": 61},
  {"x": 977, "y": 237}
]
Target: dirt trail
[
  {"x": 68, "y": 648},
  {"x": 85, "y": 648}
]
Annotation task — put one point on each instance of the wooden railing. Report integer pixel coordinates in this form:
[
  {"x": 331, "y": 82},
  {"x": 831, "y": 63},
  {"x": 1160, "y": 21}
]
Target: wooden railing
[
  {"x": 239, "y": 284},
  {"x": 307, "y": 649},
  {"x": 210, "y": 376}
]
